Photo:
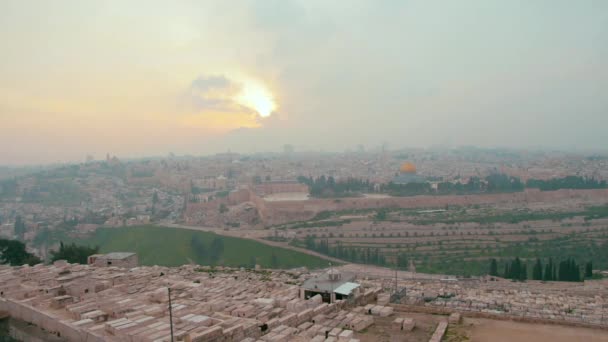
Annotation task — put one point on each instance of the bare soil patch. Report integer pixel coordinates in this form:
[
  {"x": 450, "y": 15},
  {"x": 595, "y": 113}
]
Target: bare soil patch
[{"x": 481, "y": 330}]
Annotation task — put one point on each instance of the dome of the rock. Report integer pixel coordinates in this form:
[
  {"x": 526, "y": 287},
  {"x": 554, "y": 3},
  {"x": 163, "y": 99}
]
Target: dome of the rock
[{"x": 407, "y": 167}]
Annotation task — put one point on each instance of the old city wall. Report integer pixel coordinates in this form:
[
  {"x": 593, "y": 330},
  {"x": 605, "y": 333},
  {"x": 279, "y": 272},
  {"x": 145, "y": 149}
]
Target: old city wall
[
  {"x": 286, "y": 211},
  {"x": 278, "y": 212},
  {"x": 280, "y": 187}
]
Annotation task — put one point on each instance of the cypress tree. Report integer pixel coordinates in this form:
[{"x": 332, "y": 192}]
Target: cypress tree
[
  {"x": 549, "y": 271},
  {"x": 516, "y": 269},
  {"x": 523, "y": 274},
  {"x": 589, "y": 270},
  {"x": 562, "y": 272},
  {"x": 576, "y": 271},
  {"x": 493, "y": 267},
  {"x": 537, "y": 272}
]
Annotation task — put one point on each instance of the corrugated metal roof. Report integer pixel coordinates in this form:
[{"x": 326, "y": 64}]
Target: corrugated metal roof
[{"x": 346, "y": 288}]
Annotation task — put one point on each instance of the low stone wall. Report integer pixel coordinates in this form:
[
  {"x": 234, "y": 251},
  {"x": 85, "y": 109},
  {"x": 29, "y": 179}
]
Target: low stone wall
[{"x": 439, "y": 332}]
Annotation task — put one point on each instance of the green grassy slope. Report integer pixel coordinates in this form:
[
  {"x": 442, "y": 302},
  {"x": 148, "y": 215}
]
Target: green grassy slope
[{"x": 173, "y": 247}]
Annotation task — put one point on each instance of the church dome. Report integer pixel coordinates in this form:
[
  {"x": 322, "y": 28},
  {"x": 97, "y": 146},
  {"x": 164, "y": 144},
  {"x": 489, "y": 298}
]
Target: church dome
[{"x": 407, "y": 167}]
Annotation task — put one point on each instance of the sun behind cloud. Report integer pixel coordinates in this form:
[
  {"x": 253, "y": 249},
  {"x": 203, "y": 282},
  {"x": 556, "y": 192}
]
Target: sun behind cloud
[{"x": 257, "y": 97}]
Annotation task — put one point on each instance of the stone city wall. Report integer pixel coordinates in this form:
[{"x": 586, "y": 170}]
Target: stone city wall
[
  {"x": 286, "y": 211},
  {"x": 279, "y": 212}
]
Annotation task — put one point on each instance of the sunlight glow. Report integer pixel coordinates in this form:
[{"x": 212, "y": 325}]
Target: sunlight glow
[{"x": 258, "y": 98}]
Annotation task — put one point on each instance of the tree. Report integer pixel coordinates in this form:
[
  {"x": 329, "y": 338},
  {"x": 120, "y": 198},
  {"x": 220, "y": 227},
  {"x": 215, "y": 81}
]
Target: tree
[
  {"x": 589, "y": 269},
  {"x": 548, "y": 275},
  {"x": 523, "y": 274},
  {"x": 217, "y": 249},
  {"x": 223, "y": 208},
  {"x": 402, "y": 261},
  {"x": 73, "y": 254},
  {"x": 493, "y": 267},
  {"x": 13, "y": 252},
  {"x": 310, "y": 243},
  {"x": 537, "y": 271},
  {"x": 19, "y": 227},
  {"x": 381, "y": 215},
  {"x": 569, "y": 271},
  {"x": 198, "y": 247},
  {"x": 274, "y": 261},
  {"x": 515, "y": 269}
]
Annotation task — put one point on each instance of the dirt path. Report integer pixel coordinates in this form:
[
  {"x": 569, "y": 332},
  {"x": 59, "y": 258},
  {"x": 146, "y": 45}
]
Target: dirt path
[{"x": 249, "y": 235}]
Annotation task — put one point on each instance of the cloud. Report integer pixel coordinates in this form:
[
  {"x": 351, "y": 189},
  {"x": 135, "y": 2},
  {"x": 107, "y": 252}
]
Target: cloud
[
  {"x": 214, "y": 93},
  {"x": 206, "y": 83},
  {"x": 342, "y": 73}
]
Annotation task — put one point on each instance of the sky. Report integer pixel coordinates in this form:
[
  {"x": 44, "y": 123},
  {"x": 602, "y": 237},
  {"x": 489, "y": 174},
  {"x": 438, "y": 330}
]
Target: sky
[{"x": 146, "y": 78}]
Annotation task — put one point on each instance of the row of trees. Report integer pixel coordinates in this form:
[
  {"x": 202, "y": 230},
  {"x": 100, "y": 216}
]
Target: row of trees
[
  {"x": 204, "y": 254},
  {"x": 354, "y": 254},
  {"x": 329, "y": 187},
  {"x": 365, "y": 255},
  {"x": 13, "y": 252},
  {"x": 494, "y": 183},
  {"x": 566, "y": 270},
  {"x": 409, "y": 189},
  {"x": 568, "y": 182},
  {"x": 73, "y": 253}
]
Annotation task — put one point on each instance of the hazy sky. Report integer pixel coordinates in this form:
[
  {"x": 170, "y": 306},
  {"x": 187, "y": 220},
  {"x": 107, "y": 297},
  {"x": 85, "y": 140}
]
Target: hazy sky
[{"x": 137, "y": 78}]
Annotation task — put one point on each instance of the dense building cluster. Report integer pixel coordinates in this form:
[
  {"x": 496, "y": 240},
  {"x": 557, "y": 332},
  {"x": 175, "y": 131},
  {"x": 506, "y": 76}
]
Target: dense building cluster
[{"x": 39, "y": 203}]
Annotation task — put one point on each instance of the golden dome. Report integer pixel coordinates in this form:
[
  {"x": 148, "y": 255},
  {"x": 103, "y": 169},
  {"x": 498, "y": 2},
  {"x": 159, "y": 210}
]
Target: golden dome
[{"x": 407, "y": 167}]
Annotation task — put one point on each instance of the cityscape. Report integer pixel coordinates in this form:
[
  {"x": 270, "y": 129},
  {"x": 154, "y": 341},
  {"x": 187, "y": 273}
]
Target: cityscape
[{"x": 303, "y": 170}]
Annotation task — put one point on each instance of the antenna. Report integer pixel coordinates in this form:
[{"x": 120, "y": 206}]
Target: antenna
[
  {"x": 170, "y": 313},
  {"x": 396, "y": 260},
  {"x": 331, "y": 282}
]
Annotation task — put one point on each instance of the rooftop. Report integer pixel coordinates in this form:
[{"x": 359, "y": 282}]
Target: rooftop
[{"x": 346, "y": 288}]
